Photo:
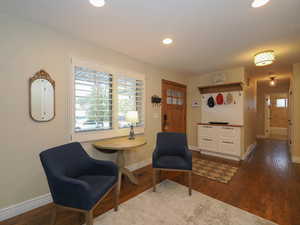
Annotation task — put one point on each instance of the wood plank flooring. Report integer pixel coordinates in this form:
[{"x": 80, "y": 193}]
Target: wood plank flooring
[{"x": 267, "y": 184}]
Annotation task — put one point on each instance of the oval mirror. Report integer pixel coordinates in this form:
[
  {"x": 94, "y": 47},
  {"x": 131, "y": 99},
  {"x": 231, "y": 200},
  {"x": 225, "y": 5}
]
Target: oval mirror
[{"x": 42, "y": 97}]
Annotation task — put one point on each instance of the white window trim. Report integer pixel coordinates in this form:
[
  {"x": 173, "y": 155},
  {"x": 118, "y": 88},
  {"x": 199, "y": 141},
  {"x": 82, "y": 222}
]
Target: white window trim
[{"x": 115, "y": 131}]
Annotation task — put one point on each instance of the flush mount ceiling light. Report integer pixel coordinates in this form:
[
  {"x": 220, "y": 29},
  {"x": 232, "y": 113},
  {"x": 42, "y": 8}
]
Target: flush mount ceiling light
[
  {"x": 264, "y": 58},
  {"x": 97, "y": 3},
  {"x": 167, "y": 41},
  {"x": 259, "y": 3}
]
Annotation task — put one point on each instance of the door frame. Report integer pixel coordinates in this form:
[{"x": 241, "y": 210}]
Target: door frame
[
  {"x": 291, "y": 131},
  {"x": 267, "y": 119},
  {"x": 163, "y": 81}
]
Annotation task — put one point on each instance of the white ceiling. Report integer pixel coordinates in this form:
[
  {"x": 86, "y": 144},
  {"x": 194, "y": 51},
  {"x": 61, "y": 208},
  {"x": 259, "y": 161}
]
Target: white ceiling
[{"x": 208, "y": 34}]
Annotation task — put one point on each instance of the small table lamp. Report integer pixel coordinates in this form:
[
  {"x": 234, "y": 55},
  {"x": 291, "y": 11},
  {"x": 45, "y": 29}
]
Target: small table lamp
[{"x": 132, "y": 117}]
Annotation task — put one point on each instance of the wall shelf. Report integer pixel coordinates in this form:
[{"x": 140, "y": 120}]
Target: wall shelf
[{"x": 238, "y": 86}]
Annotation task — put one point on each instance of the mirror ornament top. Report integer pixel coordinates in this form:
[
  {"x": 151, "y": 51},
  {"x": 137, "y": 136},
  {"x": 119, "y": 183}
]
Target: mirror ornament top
[{"x": 42, "y": 74}]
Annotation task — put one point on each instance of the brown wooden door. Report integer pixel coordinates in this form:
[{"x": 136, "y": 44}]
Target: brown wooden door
[{"x": 173, "y": 107}]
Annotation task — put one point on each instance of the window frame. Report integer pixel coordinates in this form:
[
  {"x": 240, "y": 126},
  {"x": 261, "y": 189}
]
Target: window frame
[{"x": 86, "y": 136}]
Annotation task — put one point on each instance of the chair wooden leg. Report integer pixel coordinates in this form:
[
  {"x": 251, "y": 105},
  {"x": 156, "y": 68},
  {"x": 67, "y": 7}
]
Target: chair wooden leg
[
  {"x": 190, "y": 183},
  {"x": 116, "y": 196},
  {"x": 53, "y": 215},
  {"x": 89, "y": 217},
  {"x": 154, "y": 179}
]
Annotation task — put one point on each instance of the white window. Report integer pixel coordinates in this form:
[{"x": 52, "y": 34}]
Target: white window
[
  {"x": 281, "y": 103},
  {"x": 101, "y": 99}
]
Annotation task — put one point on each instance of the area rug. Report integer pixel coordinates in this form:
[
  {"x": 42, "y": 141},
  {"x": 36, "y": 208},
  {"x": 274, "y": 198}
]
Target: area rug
[
  {"x": 171, "y": 205},
  {"x": 213, "y": 170}
]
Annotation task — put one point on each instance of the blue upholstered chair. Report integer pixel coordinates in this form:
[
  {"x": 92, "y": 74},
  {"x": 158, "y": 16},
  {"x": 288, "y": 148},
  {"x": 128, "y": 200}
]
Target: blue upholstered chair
[
  {"x": 172, "y": 153},
  {"x": 77, "y": 181}
]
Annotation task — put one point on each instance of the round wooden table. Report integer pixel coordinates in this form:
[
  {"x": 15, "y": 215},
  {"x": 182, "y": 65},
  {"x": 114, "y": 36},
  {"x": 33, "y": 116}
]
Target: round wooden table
[{"x": 121, "y": 145}]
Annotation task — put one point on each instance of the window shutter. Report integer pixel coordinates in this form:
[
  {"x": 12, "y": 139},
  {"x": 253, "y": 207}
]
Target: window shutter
[
  {"x": 93, "y": 100},
  {"x": 130, "y": 98}
]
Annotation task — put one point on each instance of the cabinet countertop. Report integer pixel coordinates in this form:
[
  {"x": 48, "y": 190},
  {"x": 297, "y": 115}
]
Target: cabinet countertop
[{"x": 222, "y": 125}]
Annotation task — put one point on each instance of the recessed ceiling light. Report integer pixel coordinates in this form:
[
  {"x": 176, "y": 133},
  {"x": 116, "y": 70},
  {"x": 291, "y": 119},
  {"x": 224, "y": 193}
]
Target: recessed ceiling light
[
  {"x": 167, "y": 41},
  {"x": 97, "y": 3},
  {"x": 259, "y": 3}
]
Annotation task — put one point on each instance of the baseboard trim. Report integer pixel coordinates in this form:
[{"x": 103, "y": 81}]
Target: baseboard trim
[
  {"x": 296, "y": 159},
  {"x": 23, "y": 207},
  {"x": 249, "y": 150},
  {"x": 20, "y": 208},
  {"x": 194, "y": 148},
  {"x": 139, "y": 165}
]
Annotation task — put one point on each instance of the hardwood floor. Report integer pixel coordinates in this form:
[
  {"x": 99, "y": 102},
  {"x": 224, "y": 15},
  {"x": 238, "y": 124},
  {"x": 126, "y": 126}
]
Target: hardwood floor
[{"x": 267, "y": 184}]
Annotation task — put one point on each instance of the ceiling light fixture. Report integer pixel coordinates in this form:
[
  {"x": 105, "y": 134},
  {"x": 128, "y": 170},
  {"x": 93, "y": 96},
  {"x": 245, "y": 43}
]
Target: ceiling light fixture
[
  {"x": 264, "y": 58},
  {"x": 97, "y": 3},
  {"x": 167, "y": 41},
  {"x": 259, "y": 3},
  {"x": 272, "y": 81}
]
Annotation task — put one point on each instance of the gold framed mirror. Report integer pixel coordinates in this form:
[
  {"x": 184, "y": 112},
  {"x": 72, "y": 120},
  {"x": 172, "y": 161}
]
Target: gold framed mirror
[{"x": 42, "y": 97}]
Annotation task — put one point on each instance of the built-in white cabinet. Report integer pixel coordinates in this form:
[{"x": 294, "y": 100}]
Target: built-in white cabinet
[{"x": 222, "y": 140}]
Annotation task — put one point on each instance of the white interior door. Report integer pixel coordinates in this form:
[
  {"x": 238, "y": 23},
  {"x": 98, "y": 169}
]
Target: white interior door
[{"x": 267, "y": 115}]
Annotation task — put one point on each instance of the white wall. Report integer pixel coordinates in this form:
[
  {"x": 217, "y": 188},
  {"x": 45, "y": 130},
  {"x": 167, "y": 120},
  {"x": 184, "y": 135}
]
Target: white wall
[
  {"x": 296, "y": 116},
  {"x": 25, "y": 49},
  {"x": 250, "y": 112}
]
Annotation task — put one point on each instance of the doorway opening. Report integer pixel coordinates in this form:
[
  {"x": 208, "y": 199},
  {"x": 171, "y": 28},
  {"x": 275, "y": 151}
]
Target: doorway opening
[
  {"x": 276, "y": 116},
  {"x": 274, "y": 109}
]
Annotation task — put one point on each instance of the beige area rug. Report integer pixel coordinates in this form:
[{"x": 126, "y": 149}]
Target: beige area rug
[
  {"x": 213, "y": 170},
  {"x": 171, "y": 205}
]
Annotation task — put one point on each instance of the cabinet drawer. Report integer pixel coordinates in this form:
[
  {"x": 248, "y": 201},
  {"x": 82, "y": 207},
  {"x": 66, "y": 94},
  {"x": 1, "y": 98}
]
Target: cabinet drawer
[
  {"x": 207, "y": 131},
  {"x": 207, "y": 144},
  {"x": 229, "y": 146},
  {"x": 229, "y": 132}
]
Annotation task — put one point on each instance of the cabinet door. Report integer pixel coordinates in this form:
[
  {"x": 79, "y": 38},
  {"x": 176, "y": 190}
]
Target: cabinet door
[
  {"x": 207, "y": 131},
  {"x": 229, "y": 146},
  {"x": 229, "y": 132},
  {"x": 208, "y": 144}
]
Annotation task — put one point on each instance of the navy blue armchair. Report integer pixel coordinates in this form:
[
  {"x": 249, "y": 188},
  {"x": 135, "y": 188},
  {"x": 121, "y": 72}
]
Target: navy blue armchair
[
  {"x": 172, "y": 153},
  {"x": 77, "y": 181}
]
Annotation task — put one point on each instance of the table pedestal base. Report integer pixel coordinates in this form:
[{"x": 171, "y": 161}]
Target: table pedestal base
[{"x": 123, "y": 170}]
